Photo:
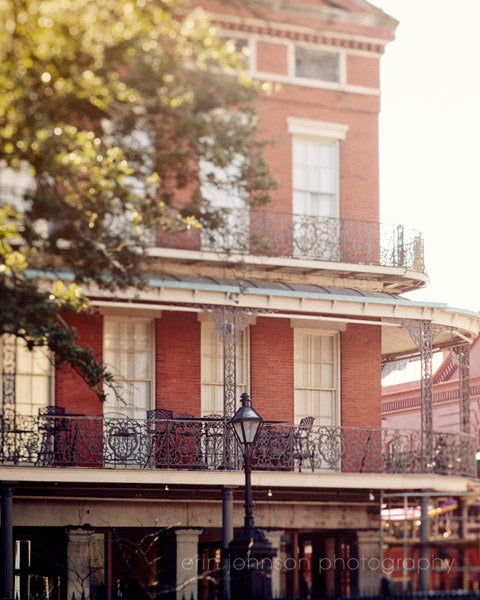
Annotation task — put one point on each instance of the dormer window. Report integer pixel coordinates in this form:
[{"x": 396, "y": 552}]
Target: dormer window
[{"x": 321, "y": 65}]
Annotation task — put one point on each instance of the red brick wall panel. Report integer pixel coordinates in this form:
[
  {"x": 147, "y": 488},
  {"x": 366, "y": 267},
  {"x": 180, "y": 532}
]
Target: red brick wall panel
[
  {"x": 363, "y": 71},
  {"x": 71, "y": 391},
  {"x": 271, "y": 370},
  {"x": 359, "y": 198},
  {"x": 272, "y": 58},
  {"x": 361, "y": 376},
  {"x": 177, "y": 362}
]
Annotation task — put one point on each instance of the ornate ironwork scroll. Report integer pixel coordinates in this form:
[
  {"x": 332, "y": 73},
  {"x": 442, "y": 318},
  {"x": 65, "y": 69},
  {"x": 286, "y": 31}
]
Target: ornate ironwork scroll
[
  {"x": 462, "y": 354},
  {"x": 230, "y": 322},
  {"x": 9, "y": 370},
  {"x": 302, "y": 236},
  {"x": 197, "y": 443},
  {"x": 401, "y": 244},
  {"x": 52, "y": 440},
  {"x": 426, "y": 352},
  {"x": 422, "y": 333}
]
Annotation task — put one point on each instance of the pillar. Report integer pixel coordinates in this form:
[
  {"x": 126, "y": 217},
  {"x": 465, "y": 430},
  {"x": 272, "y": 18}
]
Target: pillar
[
  {"x": 187, "y": 563},
  {"x": 370, "y": 572},
  {"x": 296, "y": 571},
  {"x": 230, "y": 322},
  {"x": 275, "y": 538},
  {"x": 329, "y": 572},
  {"x": 78, "y": 562},
  {"x": 424, "y": 549},
  {"x": 227, "y": 537},
  {"x": 463, "y": 533},
  {"x": 422, "y": 333},
  {"x": 463, "y": 353},
  {"x": 6, "y": 549}
]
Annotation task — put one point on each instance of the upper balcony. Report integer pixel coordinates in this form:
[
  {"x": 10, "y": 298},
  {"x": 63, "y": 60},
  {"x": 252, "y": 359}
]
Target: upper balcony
[
  {"x": 391, "y": 255},
  {"x": 189, "y": 443}
]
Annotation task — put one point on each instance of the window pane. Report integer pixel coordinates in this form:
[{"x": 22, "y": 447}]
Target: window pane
[
  {"x": 127, "y": 352},
  {"x": 315, "y": 177},
  {"x": 317, "y": 64},
  {"x": 315, "y": 376},
  {"x": 33, "y": 378}
]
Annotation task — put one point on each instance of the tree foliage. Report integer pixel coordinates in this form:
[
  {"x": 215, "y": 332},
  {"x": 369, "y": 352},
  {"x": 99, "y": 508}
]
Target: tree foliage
[{"x": 113, "y": 116}]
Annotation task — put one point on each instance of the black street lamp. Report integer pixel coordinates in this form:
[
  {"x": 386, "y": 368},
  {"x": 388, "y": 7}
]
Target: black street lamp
[{"x": 250, "y": 552}]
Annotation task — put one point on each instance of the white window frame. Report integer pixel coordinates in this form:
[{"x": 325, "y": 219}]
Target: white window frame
[
  {"x": 336, "y": 407},
  {"x": 151, "y": 357},
  {"x": 334, "y": 145},
  {"x": 209, "y": 324}
]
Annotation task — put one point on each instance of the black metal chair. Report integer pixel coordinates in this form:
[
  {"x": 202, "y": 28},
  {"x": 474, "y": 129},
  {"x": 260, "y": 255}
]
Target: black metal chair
[
  {"x": 303, "y": 446},
  {"x": 159, "y": 428},
  {"x": 156, "y": 414},
  {"x": 50, "y": 424},
  {"x": 213, "y": 441},
  {"x": 187, "y": 442}
]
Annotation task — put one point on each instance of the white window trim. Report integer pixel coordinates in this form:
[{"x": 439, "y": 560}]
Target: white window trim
[
  {"x": 337, "y": 420},
  {"x": 151, "y": 323},
  {"x": 326, "y": 327},
  {"x": 312, "y": 128}
]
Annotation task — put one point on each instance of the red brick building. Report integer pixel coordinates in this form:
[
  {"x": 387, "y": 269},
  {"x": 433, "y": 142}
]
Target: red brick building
[{"x": 107, "y": 497}]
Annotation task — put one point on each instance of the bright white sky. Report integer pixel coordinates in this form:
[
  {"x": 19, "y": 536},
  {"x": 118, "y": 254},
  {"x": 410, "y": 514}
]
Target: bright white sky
[{"x": 430, "y": 137}]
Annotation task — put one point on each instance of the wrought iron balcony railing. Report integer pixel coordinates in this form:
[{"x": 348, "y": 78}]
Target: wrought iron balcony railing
[
  {"x": 274, "y": 234},
  {"x": 207, "y": 443}
]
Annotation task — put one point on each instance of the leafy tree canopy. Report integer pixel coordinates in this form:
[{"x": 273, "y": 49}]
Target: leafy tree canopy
[{"x": 108, "y": 110}]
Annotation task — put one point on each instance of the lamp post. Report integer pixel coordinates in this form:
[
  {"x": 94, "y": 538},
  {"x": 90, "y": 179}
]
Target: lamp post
[{"x": 250, "y": 552}]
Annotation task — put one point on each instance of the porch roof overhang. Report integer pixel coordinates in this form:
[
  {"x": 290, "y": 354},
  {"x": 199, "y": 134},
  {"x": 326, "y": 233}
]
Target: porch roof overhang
[
  {"x": 21, "y": 476},
  {"x": 272, "y": 298}
]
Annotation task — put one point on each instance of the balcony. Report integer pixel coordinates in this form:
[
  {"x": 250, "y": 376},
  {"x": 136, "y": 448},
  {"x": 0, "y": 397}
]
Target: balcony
[
  {"x": 207, "y": 444},
  {"x": 311, "y": 244}
]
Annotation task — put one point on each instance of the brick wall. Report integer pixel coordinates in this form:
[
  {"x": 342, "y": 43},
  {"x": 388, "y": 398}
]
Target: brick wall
[
  {"x": 177, "y": 358},
  {"x": 71, "y": 392},
  {"x": 272, "y": 53},
  {"x": 361, "y": 382},
  {"x": 178, "y": 378},
  {"x": 271, "y": 58},
  {"x": 271, "y": 370}
]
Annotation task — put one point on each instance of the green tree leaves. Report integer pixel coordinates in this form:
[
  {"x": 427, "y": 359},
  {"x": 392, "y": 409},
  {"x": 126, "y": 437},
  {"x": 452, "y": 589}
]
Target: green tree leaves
[{"x": 107, "y": 109}]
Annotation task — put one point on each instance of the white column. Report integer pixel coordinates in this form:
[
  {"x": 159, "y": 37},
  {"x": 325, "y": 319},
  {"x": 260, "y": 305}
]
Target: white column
[
  {"x": 275, "y": 539},
  {"x": 187, "y": 563},
  {"x": 370, "y": 571},
  {"x": 78, "y": 563}
]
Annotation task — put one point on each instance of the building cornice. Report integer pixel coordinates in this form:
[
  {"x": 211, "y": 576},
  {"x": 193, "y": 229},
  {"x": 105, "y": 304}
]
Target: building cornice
[
  {"x": 298, "y": 33},
  {"x": 367, "y": 15},
  {"x": 444, "y": 393}
]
